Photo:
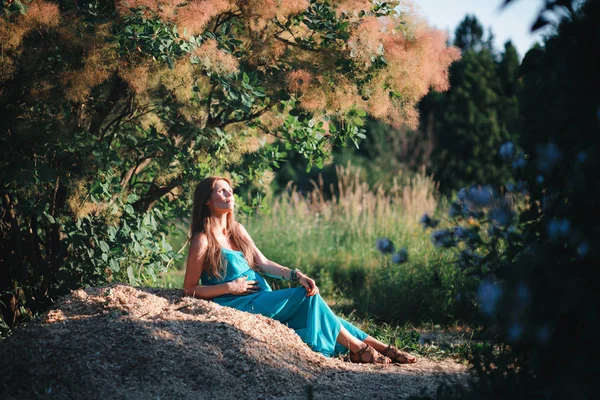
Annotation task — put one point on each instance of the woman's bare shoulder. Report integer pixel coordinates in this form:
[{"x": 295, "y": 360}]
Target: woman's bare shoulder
[
  {"x": 242, "y": 230},
  {"x": 199, "y": 241}
]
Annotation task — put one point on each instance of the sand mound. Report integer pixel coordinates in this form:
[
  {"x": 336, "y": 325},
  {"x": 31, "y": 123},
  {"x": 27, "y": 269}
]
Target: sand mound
[{"x": 121, "y": 342}]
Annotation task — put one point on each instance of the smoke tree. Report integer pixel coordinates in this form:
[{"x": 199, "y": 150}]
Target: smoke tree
[{"x": 110, "y": 111}]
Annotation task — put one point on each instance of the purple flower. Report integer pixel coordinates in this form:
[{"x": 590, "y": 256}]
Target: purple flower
[
  {"x": 583, "y": 249},
  {"x": 522, "y": 187},
  {"x": 523, "y": 294},
  {"x": 455, "y": 210},
  {"x": 547, "y": 201},
  {"x": 493, "y": 230},
  {"x": 470, "y": 210},
  {"x": 460, "y": 232},
  {"x": 400, "y": 257},
  {"x": 502, "y": 214},
  {"x": 461, "y": 195},
  {"x": 473, "y": 237},
  {"x": 481, "y": 196},
  {"x": 520, "y": 162},
  {"x": 510, "y": 230},
  {"x": 558, "y": 229},
  {"x": 507, "y": 150},
  {"x": 488, "y": 294},
  {"x": 515, "y": 331},
  {"x": 547, "y": 157},
  {"x": 385, "y": 245},
  {"x": 442, "y": 238},
  {"x": 429, "y": 222}
]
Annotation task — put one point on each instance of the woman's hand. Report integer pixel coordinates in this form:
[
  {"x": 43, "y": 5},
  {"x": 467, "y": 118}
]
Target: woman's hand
[
  {"x": 309, "y": 284},
  {"x": 242, "y": 286}
]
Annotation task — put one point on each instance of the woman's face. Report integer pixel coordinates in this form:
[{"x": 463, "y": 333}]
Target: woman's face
[{"x": 221, "y": 198}]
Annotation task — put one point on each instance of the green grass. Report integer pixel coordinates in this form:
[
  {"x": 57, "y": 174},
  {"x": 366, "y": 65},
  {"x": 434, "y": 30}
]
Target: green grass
[
  {"x": 429, "y": 340},
  {"x": 172, "y": 279},
  {"x": 334, "y": 241}
]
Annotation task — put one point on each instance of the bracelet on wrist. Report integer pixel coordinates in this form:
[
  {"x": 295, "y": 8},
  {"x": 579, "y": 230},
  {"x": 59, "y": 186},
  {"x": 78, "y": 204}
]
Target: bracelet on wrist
[{"x": 294, "y": 275}]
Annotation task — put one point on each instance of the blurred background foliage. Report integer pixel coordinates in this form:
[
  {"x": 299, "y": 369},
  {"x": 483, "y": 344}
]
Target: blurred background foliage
[{"x": 483, "y": 213}]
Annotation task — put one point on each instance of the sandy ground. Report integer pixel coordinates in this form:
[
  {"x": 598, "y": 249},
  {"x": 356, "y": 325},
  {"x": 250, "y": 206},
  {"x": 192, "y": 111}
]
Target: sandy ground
[{"x": 122, "y": 342}]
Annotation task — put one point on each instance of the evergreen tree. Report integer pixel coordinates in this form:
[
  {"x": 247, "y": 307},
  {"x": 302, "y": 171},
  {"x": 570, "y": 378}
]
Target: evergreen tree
[
  {"x": 477, "y": 114},
  {"x": 468, "y": 36}
]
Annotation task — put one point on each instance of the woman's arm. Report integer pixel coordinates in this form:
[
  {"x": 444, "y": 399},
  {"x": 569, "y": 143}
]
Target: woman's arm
[
  {"x": 193, "y": 270},
  {"x": 273, "y": 269}
]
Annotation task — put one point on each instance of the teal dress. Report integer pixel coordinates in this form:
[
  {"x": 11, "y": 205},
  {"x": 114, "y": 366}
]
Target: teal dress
[{"x": 310, "y": 317}]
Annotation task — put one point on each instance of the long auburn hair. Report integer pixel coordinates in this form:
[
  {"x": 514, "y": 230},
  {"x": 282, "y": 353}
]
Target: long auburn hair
[{"x": 202, "y": 222}]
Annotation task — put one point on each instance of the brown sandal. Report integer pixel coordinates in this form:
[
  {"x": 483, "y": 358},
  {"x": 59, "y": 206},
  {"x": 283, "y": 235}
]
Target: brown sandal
[
  {"x": 368, "y": 355},
  {"x": 399, "y": 356}
]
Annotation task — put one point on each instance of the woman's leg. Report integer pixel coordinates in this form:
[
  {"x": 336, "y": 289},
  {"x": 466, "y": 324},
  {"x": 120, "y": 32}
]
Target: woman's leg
[
  {"x": 382, "y": 347},
  {"x": 360, "y": 352},
  {"x": 350, "y": 342},
  {"x": 374, "y": 343}
]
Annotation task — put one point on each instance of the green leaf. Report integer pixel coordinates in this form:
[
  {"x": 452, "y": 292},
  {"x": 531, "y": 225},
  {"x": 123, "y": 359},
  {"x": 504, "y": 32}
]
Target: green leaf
[
  {"x": 49, "y": 217},
  {"x": 104, "y": 246},
  {"x": 114, "y": 265},
  {"x": 131, "y": 276},
  {"x": 112, "y": 232},
  {"x": 126, "y": 229}
]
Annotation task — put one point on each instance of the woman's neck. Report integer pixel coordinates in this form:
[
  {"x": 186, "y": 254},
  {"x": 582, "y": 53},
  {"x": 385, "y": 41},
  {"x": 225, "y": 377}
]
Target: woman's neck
[{"x": 220, "y": 224}]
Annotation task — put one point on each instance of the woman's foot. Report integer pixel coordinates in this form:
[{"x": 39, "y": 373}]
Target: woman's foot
[
  {"x": 399, "y": 356},
  {"x": 368, "y": 355}
]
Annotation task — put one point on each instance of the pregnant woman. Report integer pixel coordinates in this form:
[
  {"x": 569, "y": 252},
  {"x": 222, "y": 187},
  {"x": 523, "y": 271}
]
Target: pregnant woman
[{"x": 225, "y": 260}]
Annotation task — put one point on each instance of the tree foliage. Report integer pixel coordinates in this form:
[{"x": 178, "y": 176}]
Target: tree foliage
[
  {"x": 481, "y": 111},
  {"x": 111, "y": 110},
  {"x": 537, "y": 295}
]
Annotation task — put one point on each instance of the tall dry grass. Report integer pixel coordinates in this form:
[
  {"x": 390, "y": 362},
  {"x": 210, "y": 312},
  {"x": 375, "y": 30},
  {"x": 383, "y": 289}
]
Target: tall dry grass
[
  {"x": 331, "y": 233},
  {"x": 360, "y": 208}
]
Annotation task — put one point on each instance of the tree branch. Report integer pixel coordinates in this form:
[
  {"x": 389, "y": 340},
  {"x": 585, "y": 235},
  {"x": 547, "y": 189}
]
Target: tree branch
[
  {"x": 125, "y": 180},
  {"x": 104, "y": 110},
  {"x": 138, "y": 167},
  {"x": 116, "y": 120},
  {"x": 146, "y": 203},
  {"x": 268, "y": 132},
  {"x": 295, "y": 44},
  {"x": 211, "y": 122},
  {"x": 249, "y": 117}
]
